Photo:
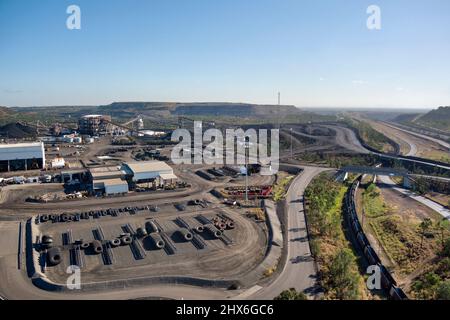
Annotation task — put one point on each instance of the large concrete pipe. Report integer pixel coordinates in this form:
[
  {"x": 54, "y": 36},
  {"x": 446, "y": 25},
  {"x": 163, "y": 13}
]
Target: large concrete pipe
[
  {"x": 150, "y": 226},
  {"x": 141, "y": 232},
  {"x": 115, "y": 242},
  {"x": 54, "y": 256},
  {"x": 97, "y": 246},
  {"x": 200, "y": 228},
  {"x": 186, "y": 234},
  {"x": 84, "y": 245},
  {"x": 221, "y": 226},
  {"x": 126, "y": 240},
  {"x": 230, "y": 224},
  {"x": 213, "y": 231},
  {"x": 157, "y": 240}
]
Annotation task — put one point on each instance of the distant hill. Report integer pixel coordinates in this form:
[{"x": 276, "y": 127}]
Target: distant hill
[
  {"x": 17, "y": 131},
  {"x": 5, "y": 112},
  {"x": 438, "y": 119},
  {"x": 409, "y": 117},
  {"x": 201, "y": 109},
  {"x": 125, "y": 111}
]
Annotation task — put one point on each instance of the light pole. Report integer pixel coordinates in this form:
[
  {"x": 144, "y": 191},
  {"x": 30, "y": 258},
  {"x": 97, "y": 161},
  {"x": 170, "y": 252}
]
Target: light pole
[
  {"x": 246, "y": 148},
  {"x": 291, "y": 145}
]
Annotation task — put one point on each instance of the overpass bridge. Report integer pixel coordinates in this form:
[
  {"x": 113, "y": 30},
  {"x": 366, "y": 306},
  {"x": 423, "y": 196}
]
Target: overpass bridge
[{"x": 342, "y": 174}]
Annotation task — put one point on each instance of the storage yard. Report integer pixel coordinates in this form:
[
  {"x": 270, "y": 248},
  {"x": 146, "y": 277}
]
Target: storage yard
[{"x": 122, "y": 244}]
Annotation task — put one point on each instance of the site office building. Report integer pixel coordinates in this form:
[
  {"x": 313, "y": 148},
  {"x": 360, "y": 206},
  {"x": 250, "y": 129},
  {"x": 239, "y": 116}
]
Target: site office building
[
  {"x": 22, "y": 156},
  {"x": 149, "y": 174}
]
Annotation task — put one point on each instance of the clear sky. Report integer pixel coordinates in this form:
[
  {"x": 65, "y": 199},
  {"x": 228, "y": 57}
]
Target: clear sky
[{"x": 317, "y": 53}]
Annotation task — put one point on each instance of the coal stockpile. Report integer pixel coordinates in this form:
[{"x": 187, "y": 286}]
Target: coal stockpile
[{"x": 17, "y": 131}]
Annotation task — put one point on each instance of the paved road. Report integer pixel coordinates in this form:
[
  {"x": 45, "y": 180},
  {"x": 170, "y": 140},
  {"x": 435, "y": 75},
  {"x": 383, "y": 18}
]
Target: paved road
[
  {"x": 438, "y": 141},
  {"x": 429, "y": 203},
  {"x": 299, "y": 271}
]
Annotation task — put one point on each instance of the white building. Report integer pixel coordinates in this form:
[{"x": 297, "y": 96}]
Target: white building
[
  {"x": 108, "y": 180},
  {"x": 157, "y": 172},
  {"x": 111, "y": 186},
  {"x": 58, "y": 163},
  {"x": 22, "y": 156}
]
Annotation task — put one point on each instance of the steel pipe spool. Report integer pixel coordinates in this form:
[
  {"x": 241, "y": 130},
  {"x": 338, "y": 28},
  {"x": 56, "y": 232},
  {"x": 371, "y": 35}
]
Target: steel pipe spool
[
  {"x": 186, "y": 234},
  {"x": 222, "y": 226},
  {"x": 150, "y": 226},
  {"x": 141, "y": 232},
  {"x": 126, "y": 240},
  {"x": 115, "y": 242},
  {"x": 97, "y": 246},
  {"x": 230, "y": 225},
  {"x": 157, "y": 240},
  {"x": 54, "y": 256},
  {"x": 213, "y": 231}
]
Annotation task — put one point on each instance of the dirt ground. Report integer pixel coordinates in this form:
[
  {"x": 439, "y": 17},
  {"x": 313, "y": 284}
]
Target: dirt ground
[
  {"x": 396, "y": 235},
  {"x": 216, "y": 261},
  {"x": 413, "y": 145}
]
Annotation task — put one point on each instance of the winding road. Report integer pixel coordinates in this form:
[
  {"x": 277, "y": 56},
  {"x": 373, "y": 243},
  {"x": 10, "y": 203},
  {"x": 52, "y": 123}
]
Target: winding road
[{"x": 299, "y": 270}]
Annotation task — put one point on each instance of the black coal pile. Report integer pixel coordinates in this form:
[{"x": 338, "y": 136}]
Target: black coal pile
[{"x": 17, "y": 131}]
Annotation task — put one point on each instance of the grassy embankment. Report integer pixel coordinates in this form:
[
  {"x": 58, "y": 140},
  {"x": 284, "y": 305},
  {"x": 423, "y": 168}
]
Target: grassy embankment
[
  {"x": 339, "y": 271},
  {"x": 413, "y": 244},
  {"x": 372, "y": 137},
  {"x": 280, "y": 188}
]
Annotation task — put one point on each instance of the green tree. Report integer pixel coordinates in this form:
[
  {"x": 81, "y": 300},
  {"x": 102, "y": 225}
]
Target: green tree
[
  {"x": 342, "y": 279},
  {"x": 446, "y": 249},
  {"x": 424, "y": 227},
  {"x": 371, "y": 188},
  {"x": 442, "y": 225},
  {"x": 425, "y": 288},
  {"x": 443, "y": 291},
  {"x": 291, "y": 294}
]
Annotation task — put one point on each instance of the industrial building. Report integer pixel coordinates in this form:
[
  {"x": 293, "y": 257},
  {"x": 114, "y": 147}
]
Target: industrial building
[
  {"x": 93, "y": 124},
  {"x": 114, "y": 180},
  {"x": 110, "y": 186},
  {"x": 108, "y": 180},
  {"x": 157, "y": 173},
  {"x": 22, "y": 156}
]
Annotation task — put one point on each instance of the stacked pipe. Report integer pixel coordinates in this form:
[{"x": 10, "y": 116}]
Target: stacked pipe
[
  {"x": 186, "y": 234},
  {"x": 213, "y": 230},
  {"x": 222, "y": 224},
  {"x": 54, "y": 256},
  {"x": 151, "y": 227},
  {"x": 97, "y": 246},
  {"x": 157, "y": 240}
]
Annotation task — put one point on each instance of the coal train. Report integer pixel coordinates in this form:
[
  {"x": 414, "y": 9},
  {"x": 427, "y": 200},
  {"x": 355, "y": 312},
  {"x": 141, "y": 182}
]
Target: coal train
[{"x": 388, "y": 283}]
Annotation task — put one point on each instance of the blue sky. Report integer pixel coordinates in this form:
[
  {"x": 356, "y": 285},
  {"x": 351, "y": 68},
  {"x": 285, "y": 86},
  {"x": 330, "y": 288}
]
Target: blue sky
[{"x": 317, "y": 53}]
